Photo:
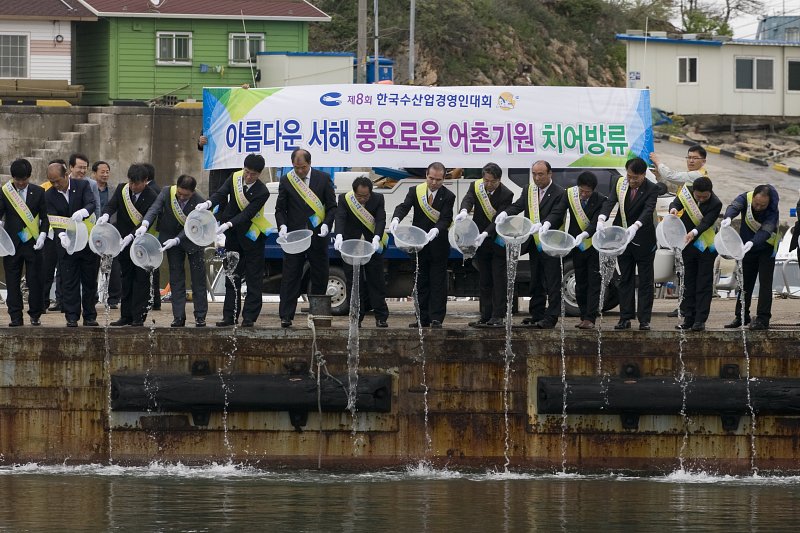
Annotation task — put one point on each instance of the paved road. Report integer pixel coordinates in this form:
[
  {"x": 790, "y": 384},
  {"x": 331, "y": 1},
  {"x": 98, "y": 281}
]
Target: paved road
[{"x": 732, "y": 177}]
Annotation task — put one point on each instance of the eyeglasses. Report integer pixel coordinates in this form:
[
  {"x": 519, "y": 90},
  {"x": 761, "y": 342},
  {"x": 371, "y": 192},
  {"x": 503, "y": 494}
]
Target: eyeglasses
[{"x": 689, "y": 158}]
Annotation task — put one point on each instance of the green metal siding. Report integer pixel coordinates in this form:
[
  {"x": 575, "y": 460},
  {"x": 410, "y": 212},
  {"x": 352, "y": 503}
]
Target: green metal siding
[
  {"x": 129, "y": 46},
  {"x": 91, "y": 67}
]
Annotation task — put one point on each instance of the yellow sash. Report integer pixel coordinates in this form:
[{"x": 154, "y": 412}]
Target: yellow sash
[
  {"x": 365, "y": 217},
  {"x": 31, "y": 229},
  {"x": 133, "y": 213},
  {"x": 422, "y": 198},
  {"x": 309, "y": 198},
  {"x": 706, "y": 240},
  {"x": 533, "y": 211},
  {"x": 483, "y": 199},
  {"x": 176, "y": 206},
  {"x": 259, "y": 223},
  {"x": 573, "y": 195},
  {"x": 755, "y": 225},
  {"x": 622, "y": 191}
]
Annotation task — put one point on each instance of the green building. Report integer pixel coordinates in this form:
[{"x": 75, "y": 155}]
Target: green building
[{"x": 168, "y": 50}]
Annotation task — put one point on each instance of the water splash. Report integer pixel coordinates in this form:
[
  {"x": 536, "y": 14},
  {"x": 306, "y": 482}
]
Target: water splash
[
  {"x": 512, "y": 260},
  {"x": 353, "y": 351}
]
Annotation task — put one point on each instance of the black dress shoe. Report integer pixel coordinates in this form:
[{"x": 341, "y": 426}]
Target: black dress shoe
[
  {"x": 248, "y": 323},
  {"x": 200, "y": 323},
  {"x": 36, "y": 321},
  {"x": 55, "y": 307},
  {"x": 623, "y": 324},
  {"x": 416, "y": 325},
  {"x": 644, "y": 326},
  {"x": 436, "y": 324},
  {"x": 15, "y": 323},
  {"x": 381, "y": 323},
  {"x": 673, "y": 314},
  {"x": 285, "y": 323},
  {"x": 113, "y": 306},
  {"x": 91, "y": 323},
  {"x": 496, "y": 323},
  {"x": 156, "y": 306},
  {"x": 736, "y": 323},
  {"x": 137, "y": 324},
  {"x": 699, "y": 326},
  {"x": 72, "y": 323},
  {"x": 530, "y": 321},
  {"x": 178, "y": 323},
  {"x": 758, "y": 325},
  {"x": 478, "y": 323},
  {"x": 121, "y": 322},
  {"x": 224, "y": 323},
  {"x": 545, "y": 324},
  {"x": 685, "y": 326}
]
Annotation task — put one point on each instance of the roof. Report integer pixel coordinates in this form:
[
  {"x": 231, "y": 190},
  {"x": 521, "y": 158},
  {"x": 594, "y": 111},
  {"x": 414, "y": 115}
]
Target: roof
[
  {"x": 704, "y": 42},
  {"x": 291, "y": 10},
  {"x": 45, "y": 9}
]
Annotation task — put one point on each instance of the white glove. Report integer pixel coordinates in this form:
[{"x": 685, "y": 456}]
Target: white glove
[
  {"x": 393, "y": 224},
  {"x": 461, "y": 215},
  {"x": 501, "y": 217},
  {"x": 39, "y": 244},
  {"x": 323, "y": 230},
  {"x": 170, "y": 243},
  {"x": 64, "y": 240},
  {"x": 126, "y": 241},
  {"x": 222, "y": 228},
  {"x": 376, "y": 243},
  {"x": 725, "y": 223},
  {"x": 1, "y": 223},
  {"x": 673, "y": 211},
  {"x": 203, "y": 206},
  {"x": 480, "y": 238},
  {"x": 535, "y": 228},
  {"x": 337, "y": 243},
  {"x": 432, "y": 234},
  {"x": 581, "y": 237},
  {"x": 104, "y": 219},
  {"x": 544, "y": 229},
  {"x": 220, "y": 241},
  {"x": 631, "y": 231},
  {"x": 141, "y": 230},
  {"x": 601, "y": 222},
  {"x": 79, "y": 215},
  {"x": 747, "y": 246},
  {"x": 282, "y": 231}
]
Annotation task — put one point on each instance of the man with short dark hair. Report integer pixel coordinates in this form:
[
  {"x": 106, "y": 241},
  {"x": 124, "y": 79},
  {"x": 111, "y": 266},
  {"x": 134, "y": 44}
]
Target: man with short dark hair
[
  {"x": 583, "y": 204},
  {"x": 362, "y": 214},
  {"x": 486, "y": 197},
  {"x": 759, "y": 233},
  {"x": 306, "y": 200},
  {"x": 698, "y": 207},
  {"x": 101, "y": 172},
  {"x": 695, "y": 168},
  {"x": 171, "y": 208},
  {"x": 72, "y": 199},
  {"x": 541, "y": 202},
  {"x": 78, "y": 166},
  {"x": 24, "y": 208},
  {"x": 130, "y": 202},
  {"x": 243, "y": 227},
  {"x": 433, "y": 212},
  {"x": 156, "y": 285},
  {"x": 637, "y": 197}
]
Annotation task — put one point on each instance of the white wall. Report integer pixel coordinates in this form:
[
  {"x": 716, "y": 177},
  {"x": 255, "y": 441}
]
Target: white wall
[
  {"x": 48, "y": 59},
  {"x": 286, "y": 70}
]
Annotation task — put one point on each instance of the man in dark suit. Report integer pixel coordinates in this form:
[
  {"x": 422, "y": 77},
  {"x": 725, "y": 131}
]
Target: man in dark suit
[
  {"x": 583, "y": 203},
  {"x": 72, "y": 199},
  {"x": 698, "y": 207},
  {"x": 306, "y": 200},
  {"x": 433, "y": 212},
  {"x": 637, "y": 197},
  {"x": 541, "y": 201},
  {"x": 171, "y": 208},
  {"x": 485, "y": 198},
  {"x": 151, "y": 183},
  {"x": 361, "y": 214},
  {"x": 25, "y": 211},
  {"x": 245, "y": 228},
  {"x": 130, "y": 202}
]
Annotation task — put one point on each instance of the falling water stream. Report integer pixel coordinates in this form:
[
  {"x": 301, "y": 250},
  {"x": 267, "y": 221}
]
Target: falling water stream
[
  {"x": 512, "y": 259},
  {"x": 680, "y": 271},
  {"x": 151, "y": 386},
  {"x": 607, "y": 265},
  {"x": 105, "y": 274},
  {"x": 353, "y": 350},
  {"x": 740, "y": 292},
  {"x": 563, "y": 379},
  {"x": 229, "y": 266},
  {"x": 428, "y": 441}
]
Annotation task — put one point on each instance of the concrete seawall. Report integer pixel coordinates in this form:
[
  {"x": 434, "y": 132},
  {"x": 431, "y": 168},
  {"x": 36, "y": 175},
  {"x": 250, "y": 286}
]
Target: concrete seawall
[{"x": 54, "y": 397}]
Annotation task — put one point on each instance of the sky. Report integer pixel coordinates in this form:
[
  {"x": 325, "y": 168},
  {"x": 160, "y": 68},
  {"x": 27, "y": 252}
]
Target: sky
[{"x": 745, "y": 27}]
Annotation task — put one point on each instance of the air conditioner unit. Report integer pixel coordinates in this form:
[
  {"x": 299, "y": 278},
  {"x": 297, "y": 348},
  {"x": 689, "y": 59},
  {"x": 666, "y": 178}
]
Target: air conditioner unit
[
  {"x": 658, "y": 34},
  {"x": 639, "y": 33}
]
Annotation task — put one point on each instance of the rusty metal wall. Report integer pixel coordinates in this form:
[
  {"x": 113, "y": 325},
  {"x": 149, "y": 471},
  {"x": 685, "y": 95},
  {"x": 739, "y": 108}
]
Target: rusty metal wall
[{"x": 54, "y": 398}]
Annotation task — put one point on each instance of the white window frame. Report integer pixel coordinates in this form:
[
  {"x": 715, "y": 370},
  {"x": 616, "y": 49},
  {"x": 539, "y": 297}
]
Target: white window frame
[
  {"x": 755, "y": 60},
  {"x": 688, "y": 70},
  {"x": 251, "y": 37},
  {"x": 173, "y": 35},
  {"x": 27, "y": 36}
]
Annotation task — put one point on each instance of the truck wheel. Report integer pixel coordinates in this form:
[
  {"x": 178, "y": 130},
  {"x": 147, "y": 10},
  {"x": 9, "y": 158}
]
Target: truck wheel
[
  {"x": 337, "y": 287},
  {"x": 568, "y": 285},
  {"x": 611, "y": 296}
]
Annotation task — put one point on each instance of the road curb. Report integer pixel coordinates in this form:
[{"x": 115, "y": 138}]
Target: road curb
[{"x": 741, "y": 156}]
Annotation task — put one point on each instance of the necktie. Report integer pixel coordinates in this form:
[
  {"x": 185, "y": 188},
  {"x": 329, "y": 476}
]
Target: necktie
[
  {"x": 541, "y": 193},
  {"x": 22, "y": 192},
  {"x": 583, "y": 204},
  {"x": 430, "y": 198},
  {"x": 633, "y": 194}
]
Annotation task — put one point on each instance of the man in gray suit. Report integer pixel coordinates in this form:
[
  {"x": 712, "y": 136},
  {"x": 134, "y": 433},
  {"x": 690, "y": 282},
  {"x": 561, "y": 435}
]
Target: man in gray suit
[
  {"x": 78, "y": 166},
  {"x": 171, "y": 208}
]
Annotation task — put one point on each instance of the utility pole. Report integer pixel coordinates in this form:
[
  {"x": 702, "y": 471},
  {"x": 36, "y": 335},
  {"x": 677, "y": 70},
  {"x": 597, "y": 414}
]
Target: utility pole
[
  {"x": 361, "y": 55},
  {"x": 411, "y": 44},
  {"x": 376, "y": 79}
]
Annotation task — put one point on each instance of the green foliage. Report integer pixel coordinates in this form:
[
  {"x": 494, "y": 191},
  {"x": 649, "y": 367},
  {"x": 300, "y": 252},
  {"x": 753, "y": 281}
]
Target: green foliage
[{"x": 793, "y": 129}]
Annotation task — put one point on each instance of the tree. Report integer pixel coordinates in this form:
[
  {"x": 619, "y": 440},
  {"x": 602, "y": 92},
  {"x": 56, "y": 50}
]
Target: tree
[{"x": 714, "y": 16}]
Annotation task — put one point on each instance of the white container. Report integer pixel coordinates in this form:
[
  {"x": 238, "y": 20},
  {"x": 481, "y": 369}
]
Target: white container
[
  {"x": 557, "y": 243},
  {"x": 610, "y": 241},
  {"x": 356, "y": 251},
  {"x": 6, "y": 245},
  {"x": 201, "y": 227},
  {"x": 296, "y": 242},
  {"x": 410, "y": 239},
  {"x": 105, "y": 240},
  {"x": 515, "y": 230},
  {"x": 146, "y": 252},
  {"x": 78, "y": 236}
]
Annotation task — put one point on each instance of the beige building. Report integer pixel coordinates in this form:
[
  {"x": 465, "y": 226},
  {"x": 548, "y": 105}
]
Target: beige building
[{"x": 689, "y": 76}]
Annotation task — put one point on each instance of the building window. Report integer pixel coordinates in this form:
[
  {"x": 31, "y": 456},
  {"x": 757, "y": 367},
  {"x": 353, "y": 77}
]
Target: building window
[
  {"x": 174, "y": 48},
  {"x": 14, "y": 56},
  {"x": 792, "y": 34},
  {"x": 793, "y": 76},
  {"x": 687, "y": 70},
  {"x": 243, "y": 47},
  {"x": 753, "y": 73}
]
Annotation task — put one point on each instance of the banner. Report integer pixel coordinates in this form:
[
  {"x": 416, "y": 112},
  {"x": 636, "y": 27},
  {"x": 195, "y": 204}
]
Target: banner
[{"x": 407, "y": 126}]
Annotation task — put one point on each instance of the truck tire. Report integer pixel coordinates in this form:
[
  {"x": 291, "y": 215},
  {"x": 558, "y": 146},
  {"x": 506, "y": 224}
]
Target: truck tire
[
  {"x": 340, "y": 303},
  {"x": 570, "y": 299}
]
